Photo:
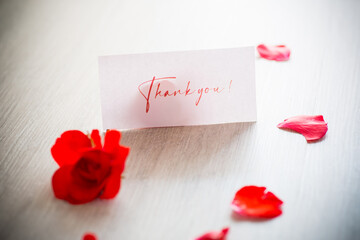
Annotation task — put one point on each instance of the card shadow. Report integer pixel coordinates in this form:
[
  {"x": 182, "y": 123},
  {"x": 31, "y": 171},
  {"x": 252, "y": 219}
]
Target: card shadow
[
  {"x": 191, "y": 151},
  {"x": 237, "y": 218}
]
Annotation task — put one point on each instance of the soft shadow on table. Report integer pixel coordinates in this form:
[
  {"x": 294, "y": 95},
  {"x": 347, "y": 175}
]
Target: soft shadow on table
[
  {"x": 157, "y": 153},
  {"x": 96, "y": 209},
  {"x": 296, "y": 133},
  {"x": 162, "y": 153},
  {"x": 54, "y": 215},
  {"x": 237, "y": 218},
  {"x": 316, "y": 141},
  {"x": 258, "y": 58},
  {"x": 192, "y": 151}
]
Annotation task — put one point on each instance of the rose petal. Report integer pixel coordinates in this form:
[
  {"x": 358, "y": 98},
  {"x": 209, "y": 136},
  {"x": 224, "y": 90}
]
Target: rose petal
[
  {"x": 112, "y": 186},
  {"x": 311, "y": 127},
  {"x": 112, "y": 139},
  {"x": 95, "y": 137},
  {"x": 120, "y": 157},
  {"x": 111, "y": 145},
  {"x": 60, "y": 181},
  {"x": 67, "y": 148},
  {"x": 252, "y": 201},
  {"x": 89, "y": 236},
  {"x": 66, "y": 188},
  {"x": 214, "y": 235},
  {"x": 93, "y": 167},
  {"x": 277, "y": 53}
]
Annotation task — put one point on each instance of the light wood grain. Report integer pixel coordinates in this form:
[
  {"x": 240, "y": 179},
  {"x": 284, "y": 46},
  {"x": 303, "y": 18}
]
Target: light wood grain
[{"x": 180, "y": 181}]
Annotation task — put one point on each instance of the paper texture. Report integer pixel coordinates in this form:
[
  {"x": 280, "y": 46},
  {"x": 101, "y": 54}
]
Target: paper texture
[{"x": 178, "y": 88}]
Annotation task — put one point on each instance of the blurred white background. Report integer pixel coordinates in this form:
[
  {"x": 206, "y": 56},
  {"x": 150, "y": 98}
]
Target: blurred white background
[{"x": 182, "y": 184}]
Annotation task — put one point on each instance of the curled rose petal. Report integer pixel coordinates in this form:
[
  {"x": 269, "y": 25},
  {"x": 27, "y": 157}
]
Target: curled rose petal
[
  {"x": 253, "y": 201},
  {"x": 66, "y": 148},
  {"x": 214, "y": 235},
  {"x": 65, "y": 187},
  {"x": 95, "y": 138},
  {"x": 89, "y": 236},
  {"x": 112, "y": 186},
  {"x": 311, "y": 127},
  {"x": 277, "y": 53}
]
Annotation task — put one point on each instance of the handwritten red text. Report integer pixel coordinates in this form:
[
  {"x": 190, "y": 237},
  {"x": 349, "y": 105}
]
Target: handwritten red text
[{"x": 152, "y": 95}]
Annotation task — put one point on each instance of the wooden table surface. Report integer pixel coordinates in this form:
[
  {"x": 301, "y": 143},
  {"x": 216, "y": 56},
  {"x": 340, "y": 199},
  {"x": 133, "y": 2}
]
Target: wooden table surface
[{"x": 179, "y": 181}]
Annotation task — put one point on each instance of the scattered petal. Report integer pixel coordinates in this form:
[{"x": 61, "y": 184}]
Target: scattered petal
[
  {"x": 214, "y": 235},
  {"x": 253, "y": 201},
  {"x": 311, "y": 127},
  {"x": 89, "y": 236},
  {"x": 277, "y": 53}
]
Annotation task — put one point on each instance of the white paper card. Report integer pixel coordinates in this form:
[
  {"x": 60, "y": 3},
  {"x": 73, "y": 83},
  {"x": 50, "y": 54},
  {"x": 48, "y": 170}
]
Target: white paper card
[{"x": 178, "y": 88}]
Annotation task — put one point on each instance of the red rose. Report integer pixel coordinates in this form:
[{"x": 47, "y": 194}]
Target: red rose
[{"x": 87, "y": 169}]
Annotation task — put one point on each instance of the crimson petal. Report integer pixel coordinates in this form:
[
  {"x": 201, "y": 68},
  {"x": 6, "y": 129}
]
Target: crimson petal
[
  {"x": 89, "y": 236},
  {"x": 67, "y": 148},
  {"x": 112, "y": 139},
  {"x": 253, "y": 201},
  {"x": 214, "y": 235},
  {"x": 311, "y": 127},
  {"x": 112, "y": 145},
  {"x": 65, "y": 187},
  {"x": 112, "y": 186},
  {"x": 95, "y": 137},
  {"x": 277, "y": 53},
  {"x": 120, "y": 156},
  {"x": 60, "y": 182}
]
